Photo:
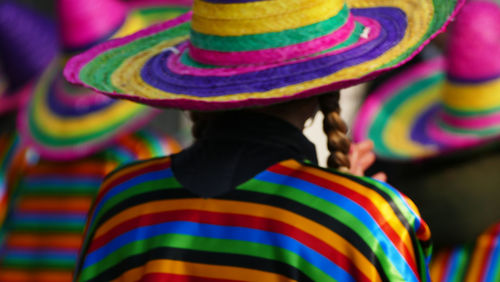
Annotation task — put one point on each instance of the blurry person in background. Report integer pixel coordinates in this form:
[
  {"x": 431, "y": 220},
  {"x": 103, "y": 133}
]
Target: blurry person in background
[
  {"x": 438, "y": 123},
  {"x": 70, "y": 139},
  {"x": 28, "y": 43}
]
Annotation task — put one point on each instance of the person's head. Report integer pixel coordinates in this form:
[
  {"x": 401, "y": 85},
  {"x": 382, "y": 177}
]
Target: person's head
[
  {"x": 245, "y": 55},
  {"x": 297, "y": 112}
]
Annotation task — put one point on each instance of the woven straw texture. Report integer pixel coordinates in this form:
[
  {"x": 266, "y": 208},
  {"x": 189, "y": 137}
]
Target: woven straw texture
[{"x": 229, "y": 54}]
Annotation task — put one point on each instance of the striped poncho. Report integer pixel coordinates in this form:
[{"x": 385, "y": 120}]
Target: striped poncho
[
  {"x": 49, "y": 204},
  {"x": 478, "y": 262},
  {"x": 291, "y": 222},
  {"x": 9, "y": 143}
]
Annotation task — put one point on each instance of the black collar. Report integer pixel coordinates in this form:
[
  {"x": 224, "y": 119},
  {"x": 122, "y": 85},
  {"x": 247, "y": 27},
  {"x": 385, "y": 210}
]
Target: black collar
[{"x": 235, "y": 147}]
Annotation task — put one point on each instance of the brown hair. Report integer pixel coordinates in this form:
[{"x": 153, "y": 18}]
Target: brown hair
[{"x": 336, "y": 131}]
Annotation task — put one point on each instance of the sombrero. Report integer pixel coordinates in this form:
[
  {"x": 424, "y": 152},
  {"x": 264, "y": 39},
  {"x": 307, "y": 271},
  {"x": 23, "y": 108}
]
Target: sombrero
[
  {"x": 63, "y": 121},
  {"x": 238, "y": 53},
  {"x": 444, "y": 104},
  {"x": 27, "y": 44}
]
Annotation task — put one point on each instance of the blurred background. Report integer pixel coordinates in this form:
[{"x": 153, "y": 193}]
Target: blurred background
[
  {"x": 458, "y": 195},
  {"x": 45, "y": 6},
  {"x": 174, "y": 123}
]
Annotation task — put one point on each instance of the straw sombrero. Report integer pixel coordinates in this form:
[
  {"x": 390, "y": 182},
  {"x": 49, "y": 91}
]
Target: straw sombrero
[
  {"x": 444, "y": 104},
  {"x": 27, "y": 44},
  {"x": 227, "y": 54},
  {"x": 63, "y": 121}
]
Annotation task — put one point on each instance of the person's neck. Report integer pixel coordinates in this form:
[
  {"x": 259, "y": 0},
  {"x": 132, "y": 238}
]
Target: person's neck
[{"x": 296, "y": 112}]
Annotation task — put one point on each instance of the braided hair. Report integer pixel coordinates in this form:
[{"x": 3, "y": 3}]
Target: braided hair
[{"x": 336, "y": 131}]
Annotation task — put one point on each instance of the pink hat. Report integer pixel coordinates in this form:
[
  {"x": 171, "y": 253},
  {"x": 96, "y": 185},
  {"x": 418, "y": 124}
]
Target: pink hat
[
  {"x": 63, "y": 121},
  {"x": 445, "y": 104}
]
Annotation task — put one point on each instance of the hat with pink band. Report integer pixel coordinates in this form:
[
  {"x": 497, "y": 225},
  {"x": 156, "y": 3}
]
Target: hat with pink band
[
  {"x": 63, "y": 121},
  {"x": 444, "y": 104},
  {"x": 228, "y": 54}
]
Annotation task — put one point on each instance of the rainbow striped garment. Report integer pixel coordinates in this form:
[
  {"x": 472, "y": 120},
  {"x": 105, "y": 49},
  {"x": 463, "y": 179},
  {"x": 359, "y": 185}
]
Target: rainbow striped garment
[
  {"x": 49, "y": 205},
  {"x": 475, "y": 263},
  {"x": 9, "y": 142},
  {"x": 291, "y": 222}
]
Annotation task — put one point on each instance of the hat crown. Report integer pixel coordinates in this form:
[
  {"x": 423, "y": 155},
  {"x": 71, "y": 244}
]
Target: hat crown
[
  {"x": 240, "y": 32},
  {"x": 474, "y": 42},
  {"x": 27, "y": 42},
  {"x": 471, "y": 92},
  {"x": 84, "y": 23}
]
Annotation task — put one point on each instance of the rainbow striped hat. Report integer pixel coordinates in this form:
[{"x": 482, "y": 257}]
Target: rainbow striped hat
[
  {"x": 28, "y": 42},
  {"x": 238, "y": 53},
  {"x": 444, "y": 104},
  {"x": 64, "y": 121}
]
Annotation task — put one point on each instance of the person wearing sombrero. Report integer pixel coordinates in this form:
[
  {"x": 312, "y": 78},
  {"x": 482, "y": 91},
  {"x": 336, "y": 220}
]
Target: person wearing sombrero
[
  {"x": 247, "y": 202},
  {"x": 27, "y": 44},
  {"x": 70, "y": 139},
  {"x": 443, "y": 105},
  {"x": 439, "y": 120}
]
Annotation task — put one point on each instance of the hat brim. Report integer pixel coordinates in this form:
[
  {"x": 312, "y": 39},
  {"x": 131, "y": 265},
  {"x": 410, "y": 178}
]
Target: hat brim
[
  {"x": 405, "y": 117},
  {"x": 150, "y": 66},
  {"x": 64, "y": 122}
]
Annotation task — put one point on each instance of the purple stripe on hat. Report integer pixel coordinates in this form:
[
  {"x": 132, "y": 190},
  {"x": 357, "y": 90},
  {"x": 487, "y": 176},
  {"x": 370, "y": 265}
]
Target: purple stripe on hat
[
  {"x": 57, "y": 107},
  {"x": 419, "y": 130},
  {"x": 28, "y": 42},
  {"x": 462, "y": 80},
  {"x": 392, "y": 20}
]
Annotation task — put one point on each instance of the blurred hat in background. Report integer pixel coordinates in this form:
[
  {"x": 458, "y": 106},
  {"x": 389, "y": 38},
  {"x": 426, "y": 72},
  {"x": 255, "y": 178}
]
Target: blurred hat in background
[
  {"x": 63, "y": 121},
  {"x": 28, "y": 42},
  {"x": 444, "y": 104}
]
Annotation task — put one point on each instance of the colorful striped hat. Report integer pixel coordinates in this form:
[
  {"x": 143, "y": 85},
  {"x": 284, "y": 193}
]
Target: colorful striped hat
[
  {"x": 28, "y": 42},
  {"x": 64, "y": 121},
  {"x": 231, "y": 53},
  {"x": 444, "y": 104}
]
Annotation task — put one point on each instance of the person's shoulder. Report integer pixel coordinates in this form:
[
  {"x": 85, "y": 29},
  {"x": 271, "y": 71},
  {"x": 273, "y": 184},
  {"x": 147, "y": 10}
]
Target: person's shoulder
[
  {"x": 126, "y": 179},
  {"x": 142, "y": 145},
  {"x": 357, "y": 208},
  {"x": 364, "y": 191},
  {"x": 137, "y": 168}
]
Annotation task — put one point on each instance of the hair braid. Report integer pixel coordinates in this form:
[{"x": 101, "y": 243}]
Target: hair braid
[{"x": 336, "y": 131}]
